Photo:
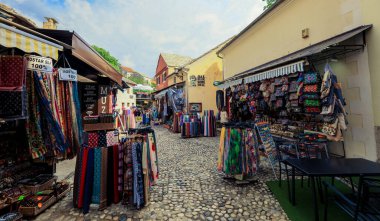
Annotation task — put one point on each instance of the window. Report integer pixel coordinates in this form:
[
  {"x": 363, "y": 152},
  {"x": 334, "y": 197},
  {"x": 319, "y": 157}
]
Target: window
[
  {"x": 164, "y": 76},
  {"x": 175, "y": 80}
]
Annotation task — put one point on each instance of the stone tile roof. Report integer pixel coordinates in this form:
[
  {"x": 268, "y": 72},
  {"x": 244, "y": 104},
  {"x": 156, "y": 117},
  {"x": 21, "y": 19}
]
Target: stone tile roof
[{"x": 175, "y": 60}]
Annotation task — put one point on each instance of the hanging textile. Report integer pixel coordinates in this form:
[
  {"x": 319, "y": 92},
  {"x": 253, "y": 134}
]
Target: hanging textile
[
  {"x": 219, "y": 99},
  {"x": 209, "y": 123},
  {"x": 103, "y": 182},
  {"x": 97, "y": 175},
  {"x": 138, "y": 186},
  {"x": 89, "y": 180},
  {"x": 33, "y": 123},
  {"x": 191, "y": 126},
  {"x": 238, "y": 151},
  {"x": 128, "y": 172}
]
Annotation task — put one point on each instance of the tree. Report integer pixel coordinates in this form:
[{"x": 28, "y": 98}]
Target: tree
[
  {"x": 137, "y": 80},
  {"x": 114, "y": 62},
  {"x": 269, "y": 3}
]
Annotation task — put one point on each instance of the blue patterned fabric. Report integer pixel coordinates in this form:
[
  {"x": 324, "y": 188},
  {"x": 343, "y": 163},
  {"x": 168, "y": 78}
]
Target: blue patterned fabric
[
  {"x": 102, "y": 138},
  {"x": 97, "y": 175},
  {"x": 138, "y": 182}
]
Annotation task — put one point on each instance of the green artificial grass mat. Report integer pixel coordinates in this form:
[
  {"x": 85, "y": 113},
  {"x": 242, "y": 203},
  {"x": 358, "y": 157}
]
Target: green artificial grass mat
[{"x": 304, "y": 209}]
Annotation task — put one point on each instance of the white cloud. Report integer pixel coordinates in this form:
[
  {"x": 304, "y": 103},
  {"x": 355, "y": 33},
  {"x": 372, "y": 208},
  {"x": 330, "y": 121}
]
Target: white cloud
[{"x": 136, "y": 31}]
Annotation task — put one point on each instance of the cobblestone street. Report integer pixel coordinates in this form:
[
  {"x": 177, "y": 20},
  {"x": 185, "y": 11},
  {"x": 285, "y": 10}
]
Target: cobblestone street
[{"x": 189, "y": 188}]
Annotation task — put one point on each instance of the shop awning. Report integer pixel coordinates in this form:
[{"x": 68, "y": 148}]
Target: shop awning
[
  {"x": 11, "y": 37},
  {"x": 160, "y": 94},
  {"x": 84, "y": 52},
  {"x": 292, "y": 62}
]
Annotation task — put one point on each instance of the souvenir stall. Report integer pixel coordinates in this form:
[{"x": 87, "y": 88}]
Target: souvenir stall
[
  {"x": 303, "y": 110},
  {"x": 40, "y": 124},
  {"x": 114, "y": 171}
]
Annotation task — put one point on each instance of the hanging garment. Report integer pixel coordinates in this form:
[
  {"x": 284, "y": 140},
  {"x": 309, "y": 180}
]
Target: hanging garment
[
  {"x": 116, "y": 195},
  {"x": 93, "y": 139},
  {"x": 120, "y": 170},
  {"x": 138, "y": 182},
  {"x": 221, "y": 148},
  {"x": 219, "y": 99},
  {"x": 233, "y": 165},
  {"x": 102, "y": 138},
  {"x": 77, "y": 177},
  {"x": 110, "y": 176},
  {"x": 12, "y": 72},
  {"x": 104, "y": 176},
  {"x": 88, "y": 181},
  {"x": 112, "y": 139},
  {"x": 97, "y": 175},
  {"x": 83, "y": 178},
  {"x": 128, "y": 173},
  {"x": 55, "y": 131},
  {"x": 153, "y": 162},
  {"x": 33, "y": 123}
]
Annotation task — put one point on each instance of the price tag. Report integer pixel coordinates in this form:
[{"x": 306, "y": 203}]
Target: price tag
[
  {"x": 67, "y": 74},
  {"x": 138, "y": 119},
  {"x": 39, "y": 63}
]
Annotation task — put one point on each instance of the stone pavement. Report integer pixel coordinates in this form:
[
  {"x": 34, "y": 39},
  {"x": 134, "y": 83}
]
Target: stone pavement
[{"x": 189, "y": 188}]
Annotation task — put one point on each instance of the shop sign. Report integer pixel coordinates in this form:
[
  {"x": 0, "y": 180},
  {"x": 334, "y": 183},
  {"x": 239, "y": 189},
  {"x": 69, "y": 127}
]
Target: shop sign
[
  {"x": 39, "y": 63},
  {"x": 90, "y": 98},
  {"x": 67, "y": 74},
  {"x": 138, "y": 119},
  {"x": 198, "y": 80},
  {"x": 201, "y": 80},
  {"x": 104, "y": 99},
  {"x": 193, "y": 81}
]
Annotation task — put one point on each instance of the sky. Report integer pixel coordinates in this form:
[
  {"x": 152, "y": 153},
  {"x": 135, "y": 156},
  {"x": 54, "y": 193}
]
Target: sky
[{"x": 137, "y": 31}]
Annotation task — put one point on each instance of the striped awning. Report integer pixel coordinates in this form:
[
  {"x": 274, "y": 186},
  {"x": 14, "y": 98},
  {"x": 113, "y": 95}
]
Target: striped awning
[
  {"x": 276, "y": 72},
  {"x": 11, "y": 37}
]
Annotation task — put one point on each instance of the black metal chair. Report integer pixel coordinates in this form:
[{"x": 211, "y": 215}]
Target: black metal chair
[{"x": 362, "y": 205}]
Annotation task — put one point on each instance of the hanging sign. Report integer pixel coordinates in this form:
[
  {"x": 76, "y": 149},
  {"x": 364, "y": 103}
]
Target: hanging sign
[
  {"x": 39, "y": 63},
  {"x": 67, "y": 74},
  {"x": 104, "y": 99},
  {"x": 90, "y": 99}
]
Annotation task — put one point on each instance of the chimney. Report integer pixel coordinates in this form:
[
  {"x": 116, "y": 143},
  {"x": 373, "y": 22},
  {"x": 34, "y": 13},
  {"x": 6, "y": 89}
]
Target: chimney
[{"x": 50, "y": 23}]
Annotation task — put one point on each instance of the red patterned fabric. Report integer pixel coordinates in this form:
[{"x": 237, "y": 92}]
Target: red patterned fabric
[
  {"x": 12, "y": 72},
  {"x": 93, "y": 139},
  {"x": 82, "y": 178},
  {"x": 116, "y": 198}
]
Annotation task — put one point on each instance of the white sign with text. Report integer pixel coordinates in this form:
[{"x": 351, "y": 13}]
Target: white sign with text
[
  {"x": 39, "y": 63},
  {"x": 67, "y": 74}
]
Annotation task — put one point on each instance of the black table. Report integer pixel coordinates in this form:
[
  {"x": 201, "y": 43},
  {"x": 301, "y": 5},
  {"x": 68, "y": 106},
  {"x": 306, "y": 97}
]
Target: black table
[{"x": 316, "y": 168}]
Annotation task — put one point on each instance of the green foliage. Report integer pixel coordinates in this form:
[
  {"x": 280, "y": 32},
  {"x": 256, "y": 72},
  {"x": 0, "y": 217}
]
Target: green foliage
[
  {"x": 269, "y": 3},
  {"x": 153, "y": 85},
  {"x": 137, "y": 80},
  {"x": 141, "y": 90},
  {"x": 114, "y": 62}
]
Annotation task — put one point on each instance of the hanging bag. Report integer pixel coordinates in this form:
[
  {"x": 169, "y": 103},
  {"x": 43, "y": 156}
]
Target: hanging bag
[{"x": 330, "y": 128}]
